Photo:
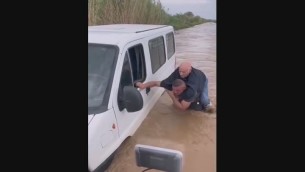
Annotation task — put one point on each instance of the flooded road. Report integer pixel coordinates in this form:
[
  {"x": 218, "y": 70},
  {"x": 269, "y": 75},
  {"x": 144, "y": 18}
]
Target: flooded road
[{"x": 191, "y": 132}]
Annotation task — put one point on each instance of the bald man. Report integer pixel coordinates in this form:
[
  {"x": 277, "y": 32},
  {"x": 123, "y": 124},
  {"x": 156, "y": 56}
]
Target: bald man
[{"x": 194, "y": 79}]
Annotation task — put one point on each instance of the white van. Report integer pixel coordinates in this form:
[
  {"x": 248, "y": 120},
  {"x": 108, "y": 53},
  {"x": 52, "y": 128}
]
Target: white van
[{"x": 118, "y": 56}]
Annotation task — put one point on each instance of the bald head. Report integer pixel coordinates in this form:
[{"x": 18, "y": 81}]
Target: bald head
[{"x": 185, "y": 69}]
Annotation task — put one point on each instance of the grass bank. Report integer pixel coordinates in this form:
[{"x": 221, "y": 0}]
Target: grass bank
[{"x": 138, "y": 12}]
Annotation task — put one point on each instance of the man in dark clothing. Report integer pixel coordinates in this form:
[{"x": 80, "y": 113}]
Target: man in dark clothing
[
  {"x": 195, "y": 81},
  {"x": 183, "y": 96}
]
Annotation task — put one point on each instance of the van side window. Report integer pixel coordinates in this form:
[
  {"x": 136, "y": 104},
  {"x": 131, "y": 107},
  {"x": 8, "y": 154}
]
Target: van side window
[
  {"x": 170, "y": 42},
  {"x": 157, "y": 53},
  {"x": 126, "y": 80},
  {"x": 133, "y": 70},
  {"x": 137, "y": 60}
]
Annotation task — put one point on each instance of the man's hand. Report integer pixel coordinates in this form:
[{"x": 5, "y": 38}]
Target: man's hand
[
  {"x": 171, "y": 95},
  {"x": 140, "y": 85},
  {"x": 183, "y": 105},
  {"x": 148, "y": 84}
]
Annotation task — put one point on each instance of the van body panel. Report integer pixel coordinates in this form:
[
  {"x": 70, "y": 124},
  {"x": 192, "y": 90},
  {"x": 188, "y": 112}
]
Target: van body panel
[
  {"x": 102, "y": 138},
  {"x": 90, "y": 118},
  {"x": 134, "y": 56}
]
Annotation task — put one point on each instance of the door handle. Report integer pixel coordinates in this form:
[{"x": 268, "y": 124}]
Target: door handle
[{"x": 147, "y": 90}]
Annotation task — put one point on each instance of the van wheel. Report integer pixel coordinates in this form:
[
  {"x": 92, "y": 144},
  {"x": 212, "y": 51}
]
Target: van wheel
[{"x": 103, "y": 167}]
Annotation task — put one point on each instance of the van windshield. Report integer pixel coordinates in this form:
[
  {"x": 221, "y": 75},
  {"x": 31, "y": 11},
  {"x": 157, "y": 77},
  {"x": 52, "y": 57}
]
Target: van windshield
[{"x": 101, "y": 66}]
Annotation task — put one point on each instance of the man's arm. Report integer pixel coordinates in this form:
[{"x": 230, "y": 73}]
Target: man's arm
[
  {"x": 148, "y": 84},
  {"x": 166, "y": 83},
  {"x": 183, "y": 105}
]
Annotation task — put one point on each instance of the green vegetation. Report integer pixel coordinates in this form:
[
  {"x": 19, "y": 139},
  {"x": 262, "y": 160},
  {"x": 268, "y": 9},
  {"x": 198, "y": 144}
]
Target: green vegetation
[
  {"x": 139, "y": 12},
  {"x": 180, "y": 21}
]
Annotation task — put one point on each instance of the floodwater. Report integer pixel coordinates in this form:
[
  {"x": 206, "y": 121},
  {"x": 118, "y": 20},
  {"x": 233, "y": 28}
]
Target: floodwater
[{"x": 191, "y": 132}]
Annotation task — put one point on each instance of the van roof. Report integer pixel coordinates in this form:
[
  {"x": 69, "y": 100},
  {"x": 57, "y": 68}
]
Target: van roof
[{"x": 116, "y": 34}]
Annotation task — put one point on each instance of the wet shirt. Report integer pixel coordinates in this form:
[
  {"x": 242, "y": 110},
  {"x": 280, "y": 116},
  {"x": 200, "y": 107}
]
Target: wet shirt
[
  {"x": 196, "y": 80},
  {"x": 188, "y": 95}
]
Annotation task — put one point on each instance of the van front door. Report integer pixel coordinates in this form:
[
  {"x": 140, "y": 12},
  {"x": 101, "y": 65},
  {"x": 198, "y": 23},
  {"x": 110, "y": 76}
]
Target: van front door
[{"x": 133, "y": 70}]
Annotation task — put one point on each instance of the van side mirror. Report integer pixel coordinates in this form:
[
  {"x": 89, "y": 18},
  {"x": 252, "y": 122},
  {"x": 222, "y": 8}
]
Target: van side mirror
[
  {"x": 159, "y": 158},
  {"x": 132, "y": 99}
]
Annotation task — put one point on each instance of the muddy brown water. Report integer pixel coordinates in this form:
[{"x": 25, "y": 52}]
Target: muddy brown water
[{"x": 191, "y": 132}]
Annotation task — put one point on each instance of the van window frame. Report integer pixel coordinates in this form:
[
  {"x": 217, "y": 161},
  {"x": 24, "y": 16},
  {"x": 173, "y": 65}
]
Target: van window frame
[
  {"x": 129, "y": 71},
  {"x": 137, "y": 62}
]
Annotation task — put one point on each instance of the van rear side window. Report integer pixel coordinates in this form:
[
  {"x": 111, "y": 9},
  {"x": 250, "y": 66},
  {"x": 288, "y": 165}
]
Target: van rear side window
[
  {"x": 170, "y": 42},
  {"x": 157, "y": 53}
]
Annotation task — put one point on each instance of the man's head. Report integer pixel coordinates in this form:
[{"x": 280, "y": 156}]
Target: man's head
[
  {"x": 178, "y": 87},
  {"x": 185, "y": 69}
]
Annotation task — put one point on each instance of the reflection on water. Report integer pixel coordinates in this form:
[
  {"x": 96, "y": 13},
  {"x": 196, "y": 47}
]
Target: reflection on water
[{"x": 191, "y": 132}]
